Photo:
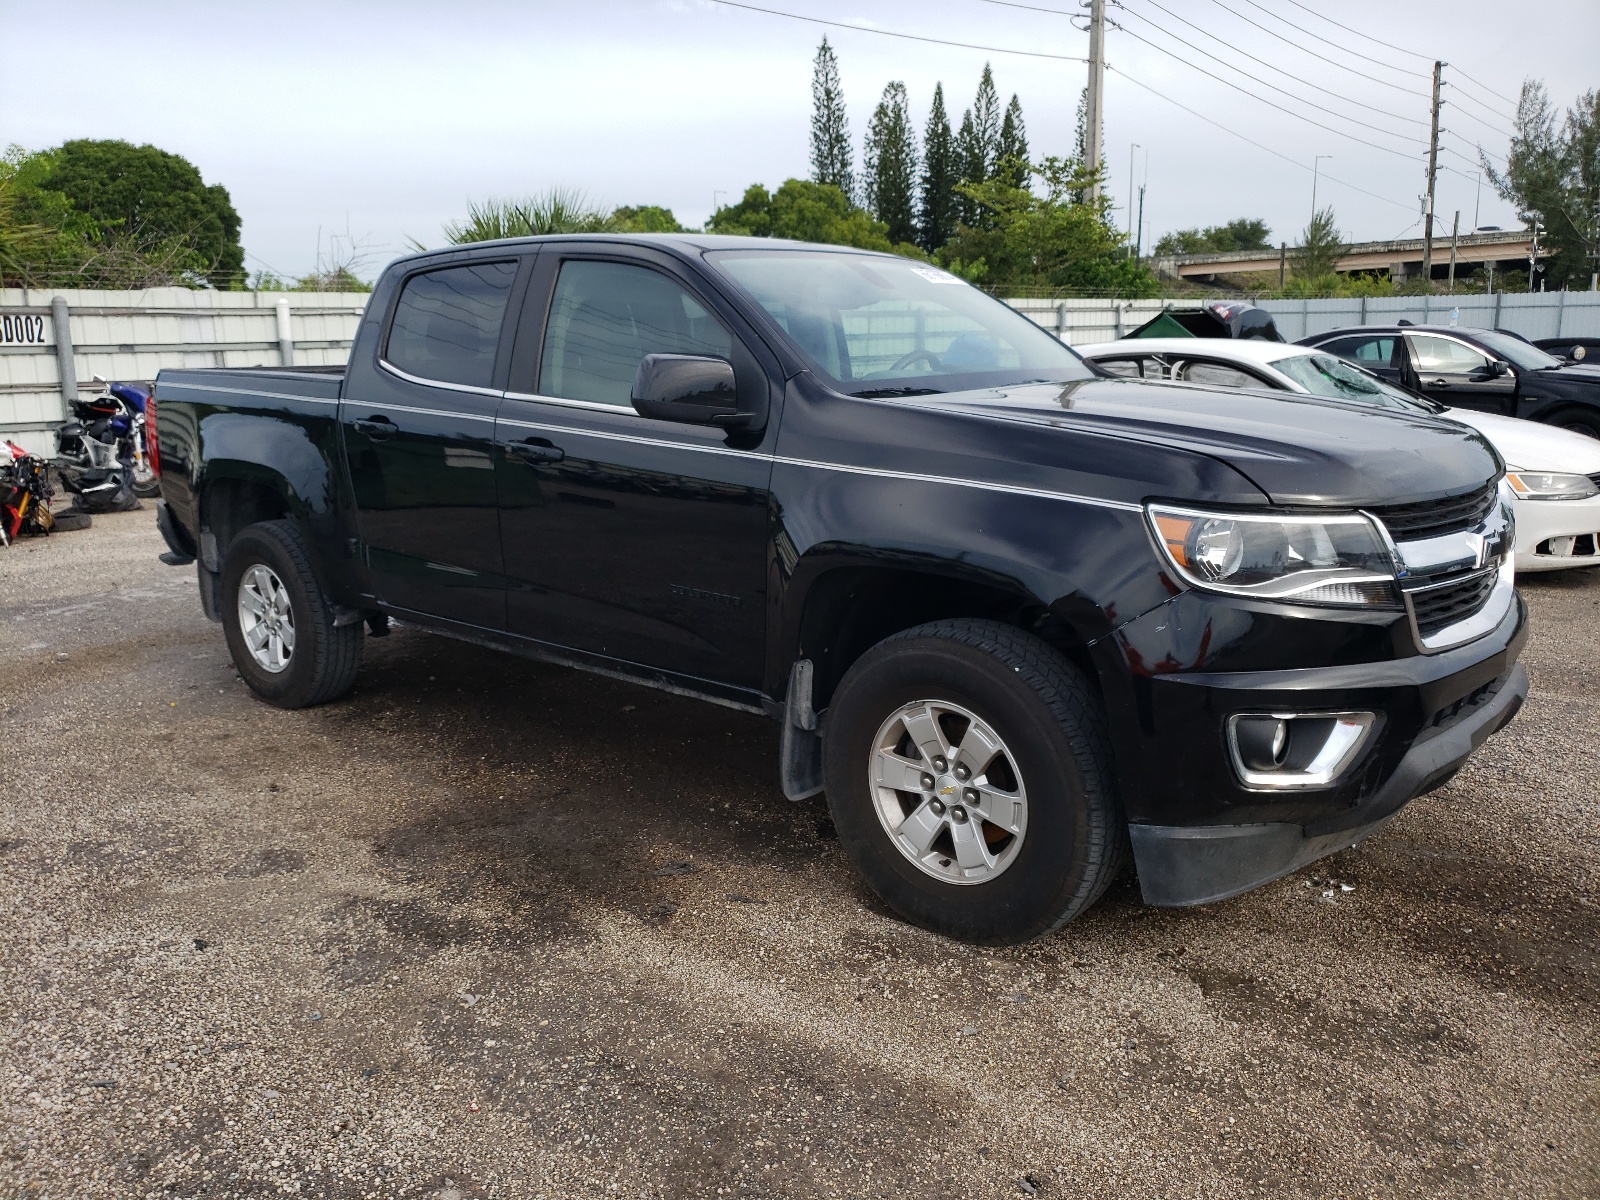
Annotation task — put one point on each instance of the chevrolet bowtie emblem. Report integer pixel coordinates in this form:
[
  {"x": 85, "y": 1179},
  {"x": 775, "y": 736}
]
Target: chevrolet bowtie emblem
[{"x": 948, "y": 790}]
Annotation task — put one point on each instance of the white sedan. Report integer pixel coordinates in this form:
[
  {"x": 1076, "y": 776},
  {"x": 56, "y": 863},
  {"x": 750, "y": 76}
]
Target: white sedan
[{"x": 1554, "y": 473}]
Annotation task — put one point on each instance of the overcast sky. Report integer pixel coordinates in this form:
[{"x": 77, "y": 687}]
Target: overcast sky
[{"x": 384, "y": 119}]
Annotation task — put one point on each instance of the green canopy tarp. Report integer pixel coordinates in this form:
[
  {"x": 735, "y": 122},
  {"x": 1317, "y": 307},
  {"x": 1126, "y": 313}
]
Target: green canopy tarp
[{"x": 1162, "y": 326}]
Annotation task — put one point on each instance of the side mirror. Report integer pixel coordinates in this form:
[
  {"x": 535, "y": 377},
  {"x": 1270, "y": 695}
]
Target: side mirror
[
  {"x": 1499, "y": 367},
  {"x": 689, "y": 388}
]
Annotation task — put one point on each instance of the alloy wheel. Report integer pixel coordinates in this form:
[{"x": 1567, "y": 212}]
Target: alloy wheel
[
  {"x": 947, "y": 792},
  {"x": 266, "y": 618}
]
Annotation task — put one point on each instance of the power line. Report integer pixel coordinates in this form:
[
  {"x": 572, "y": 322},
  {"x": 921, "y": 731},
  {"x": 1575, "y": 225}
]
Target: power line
[
  {"x": 1323, "y": 57},
  {"x": 1252, "y": 141},
  {"x": 1491, "y": 111},
  {"x": 1484, "y": 86},
  {"x": 1329, "y": 91},
  {"x": 1358, "y": 33},
  {"x": 910, "y": 37},
  {"x": 1270, "y": 104},
  {"x": 1329, "y": 42}
]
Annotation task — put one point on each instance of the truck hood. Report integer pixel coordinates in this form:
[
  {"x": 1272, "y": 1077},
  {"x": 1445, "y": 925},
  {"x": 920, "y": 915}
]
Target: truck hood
[{"x": 1296, "y": 449}]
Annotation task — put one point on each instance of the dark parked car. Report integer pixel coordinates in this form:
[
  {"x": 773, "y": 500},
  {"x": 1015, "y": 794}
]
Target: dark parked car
[
  {"x": 1015, "y": 618},
  {"x": 1573, "y": 349},
  {"x": 1484, "y": 369}
]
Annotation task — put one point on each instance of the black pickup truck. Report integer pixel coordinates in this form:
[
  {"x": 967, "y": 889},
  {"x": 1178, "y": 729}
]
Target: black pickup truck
[{"x": 1017, "y": 619}]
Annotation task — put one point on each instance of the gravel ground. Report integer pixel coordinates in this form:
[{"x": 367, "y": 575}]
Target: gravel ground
[{"x": 492, "y": 928}]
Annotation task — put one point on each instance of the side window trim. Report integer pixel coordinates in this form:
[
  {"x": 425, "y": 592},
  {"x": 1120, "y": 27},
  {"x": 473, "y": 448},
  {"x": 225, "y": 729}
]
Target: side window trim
[{"x": 514, "y": 301}]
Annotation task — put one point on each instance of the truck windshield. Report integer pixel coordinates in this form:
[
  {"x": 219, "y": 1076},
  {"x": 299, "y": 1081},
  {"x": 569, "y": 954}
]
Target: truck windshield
[
  {"x": 876, "y": 325},
  {"x": 1325, "y": 375}
]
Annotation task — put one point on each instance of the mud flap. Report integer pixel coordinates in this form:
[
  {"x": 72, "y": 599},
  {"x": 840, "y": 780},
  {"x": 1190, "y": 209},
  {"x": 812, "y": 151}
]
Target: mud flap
[{"x": 800, "y": 753}]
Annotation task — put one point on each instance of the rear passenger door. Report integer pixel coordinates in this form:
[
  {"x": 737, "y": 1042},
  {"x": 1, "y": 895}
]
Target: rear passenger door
[
  {"x": 419, "y": 440},
  {"x": 628, "y": 538},
  {"x": 1382, "y": 354}
]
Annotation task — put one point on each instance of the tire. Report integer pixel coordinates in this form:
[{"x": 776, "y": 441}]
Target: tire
[
  {"x": 1054, "y": 755},
  {"x": 1579, "y": 422},
  {"x": 70, "y": 522},
  {"x": 317, "y": 661}
]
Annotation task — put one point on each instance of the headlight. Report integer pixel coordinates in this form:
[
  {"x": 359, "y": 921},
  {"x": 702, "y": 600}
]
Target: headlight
[
  {"x": 1333, "y": 560},
  {"x": 1550, "y": 485}
]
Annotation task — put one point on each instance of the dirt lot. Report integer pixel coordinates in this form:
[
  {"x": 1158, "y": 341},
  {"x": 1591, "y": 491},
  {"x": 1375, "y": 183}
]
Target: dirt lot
[{"x": 492, "y": 928}]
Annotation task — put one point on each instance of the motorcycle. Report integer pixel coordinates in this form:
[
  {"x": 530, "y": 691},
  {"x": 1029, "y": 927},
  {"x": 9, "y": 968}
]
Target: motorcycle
[
  {"x": 102, "y": 454},
  {"x": 24, "y": 494}
]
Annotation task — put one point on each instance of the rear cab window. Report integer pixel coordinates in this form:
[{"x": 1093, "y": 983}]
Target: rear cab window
[{"x": 447, "y": 322}]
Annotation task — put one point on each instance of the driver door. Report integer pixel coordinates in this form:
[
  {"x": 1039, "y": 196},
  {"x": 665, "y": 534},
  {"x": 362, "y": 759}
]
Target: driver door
[
  {"x": 1459, "y": 375},
  {"x": 631, "y": 539}
]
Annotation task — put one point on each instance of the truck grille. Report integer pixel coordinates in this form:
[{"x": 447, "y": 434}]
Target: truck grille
[
  {"x": 1442, "y": 605},
  {"x": 1431, "y": 518}
]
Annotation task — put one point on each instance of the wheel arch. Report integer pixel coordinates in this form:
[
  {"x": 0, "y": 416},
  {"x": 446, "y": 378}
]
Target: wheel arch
[{"x": 849, "y": 607}]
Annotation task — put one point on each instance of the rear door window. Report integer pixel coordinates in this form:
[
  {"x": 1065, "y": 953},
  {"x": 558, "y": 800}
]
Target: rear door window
[
  {"x": 1369, "y": 352},
  {"x": 1143, "y": 367},
  {"x": 1218, "y": 375},
  {"x": 606, "y": 316},
  {"x": 447, "y": 323}
]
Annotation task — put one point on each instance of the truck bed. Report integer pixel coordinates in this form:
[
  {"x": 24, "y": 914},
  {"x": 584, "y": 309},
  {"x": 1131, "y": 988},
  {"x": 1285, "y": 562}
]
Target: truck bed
[{"x": 315, "y": 383}]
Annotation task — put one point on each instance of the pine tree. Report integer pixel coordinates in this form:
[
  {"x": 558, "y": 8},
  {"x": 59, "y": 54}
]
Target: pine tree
[
  {"x": 970, "y": 166},
  {"x": 937, "y": 215},
  {"x": 830, "y": 129},
  {"x": 1011, "y": 157},
  {"x": 986, "y": 121},
  {"x": 891, "y": 165},
  {"x": 978, "y": 143}
]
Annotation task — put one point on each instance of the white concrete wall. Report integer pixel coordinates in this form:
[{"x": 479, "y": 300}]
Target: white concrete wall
[{"x": 130, "y": 336}]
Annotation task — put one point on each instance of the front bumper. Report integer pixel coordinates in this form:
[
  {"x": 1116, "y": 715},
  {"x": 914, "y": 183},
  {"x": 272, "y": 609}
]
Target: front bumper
[
  {"x": 1200, "y": 833},
  {"x": 1540, "y": 521},
  {"x": 1184, "y": 865}
]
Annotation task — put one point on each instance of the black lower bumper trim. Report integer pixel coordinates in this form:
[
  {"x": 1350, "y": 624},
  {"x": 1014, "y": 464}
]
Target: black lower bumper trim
[{"x": 1186, "y": 865}]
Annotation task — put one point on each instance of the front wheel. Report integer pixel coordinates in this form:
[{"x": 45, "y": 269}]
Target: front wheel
[
  {"x": 1579, "y": 422},
  {"x": 278, "y": 623},
  {"x": 969, "y": 775}
]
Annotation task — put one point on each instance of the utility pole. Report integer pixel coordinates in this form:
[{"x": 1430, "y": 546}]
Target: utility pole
[
  {"x": 1283, "y": 265},
  {"x": 1433, "y": 172},
  {"x": 1093, "y": 114},
  {"x": 1455, "y": 232},
  {"x": 1138, "y": 243},
  {"x": 1533, "y": 252}
]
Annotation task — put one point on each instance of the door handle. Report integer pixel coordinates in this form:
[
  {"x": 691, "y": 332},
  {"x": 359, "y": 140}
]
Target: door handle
[
  {"x": 534, "y": 451},
  {"x": 1439, "y": 383},
  {"x": 376, "y": 427}
]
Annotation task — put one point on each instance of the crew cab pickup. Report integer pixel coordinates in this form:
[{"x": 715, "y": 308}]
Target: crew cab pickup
[{"x": 1018, "y": 620}]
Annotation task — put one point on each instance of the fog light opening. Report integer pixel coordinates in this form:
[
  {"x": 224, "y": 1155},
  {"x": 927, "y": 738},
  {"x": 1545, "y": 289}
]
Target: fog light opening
[{"x": 1295, "y": 750}]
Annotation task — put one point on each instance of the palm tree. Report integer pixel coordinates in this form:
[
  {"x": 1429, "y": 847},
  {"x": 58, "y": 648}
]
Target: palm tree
[{"x": 559, "y": 210}]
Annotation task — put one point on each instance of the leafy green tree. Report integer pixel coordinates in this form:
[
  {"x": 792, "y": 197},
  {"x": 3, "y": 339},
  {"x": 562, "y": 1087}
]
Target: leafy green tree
[
  {"x": 1011, "y": 152},
  {"x": 47, "y": 241},
  {"x": 830, "y": 127},
  {"x": 970, "y": 168},
  {"x": 891, "y": 165},
  {"x": 1081, "y": 137},
  {"x": 805, "y": 211},
  {"x": 1553, "y": 176},
  {"x": 1243, "y": 233},
  {"x": 1053, "y": 242},
  {"x": 1321, "y": 247},
  {"x": 152, "y": 197},
  {"x": 645, "y": 218},
  {"x": 937, "y": 210}
]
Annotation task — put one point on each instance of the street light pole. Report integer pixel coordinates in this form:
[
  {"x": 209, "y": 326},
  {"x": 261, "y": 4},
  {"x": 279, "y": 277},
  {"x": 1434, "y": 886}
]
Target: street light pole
[
  {"x": 1316, "y": 165},
  {"x": 1134, "y": 146}
]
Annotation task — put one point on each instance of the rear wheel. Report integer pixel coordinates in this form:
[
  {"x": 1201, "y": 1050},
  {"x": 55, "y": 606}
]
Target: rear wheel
[
  {"x": 968, "y": 774},
  {"x": 278, "y": 623}
]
